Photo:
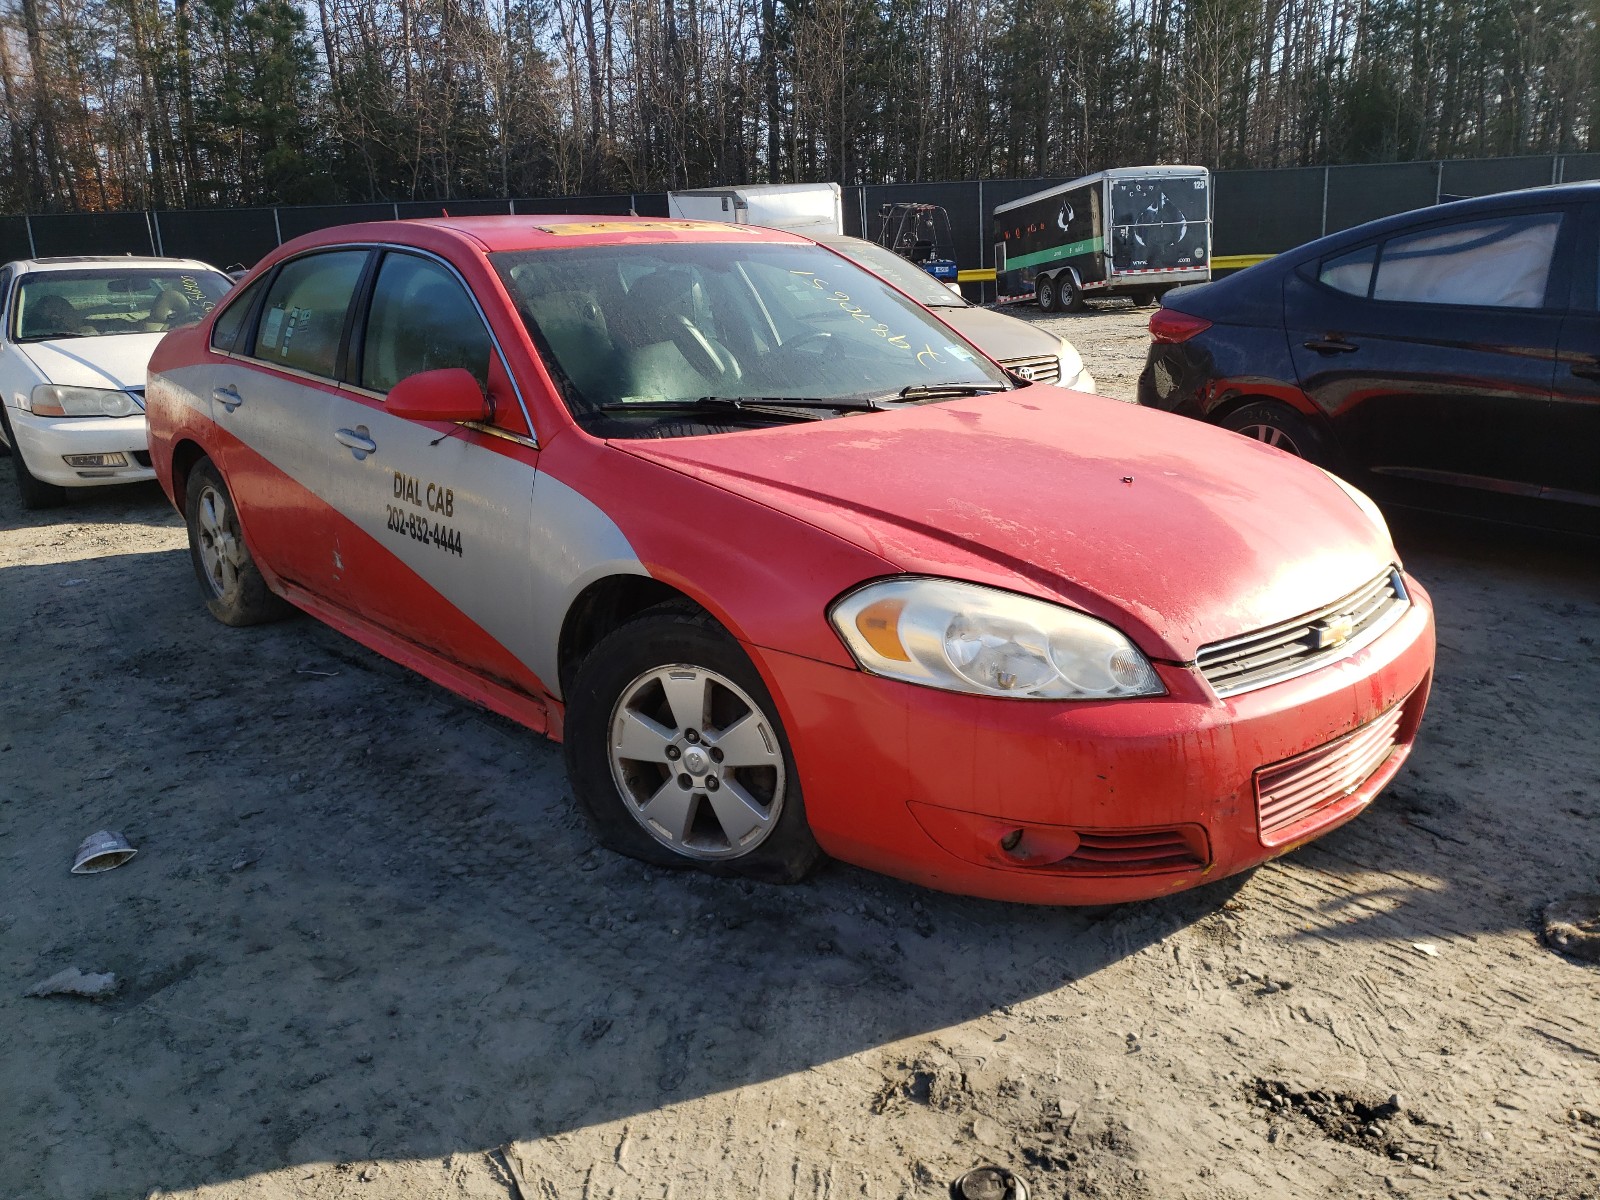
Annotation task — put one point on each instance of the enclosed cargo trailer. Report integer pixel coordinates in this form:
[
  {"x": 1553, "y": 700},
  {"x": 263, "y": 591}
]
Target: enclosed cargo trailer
[
  {"x": 807, "y": 208},
  {"x": 1128, "y": 231}
]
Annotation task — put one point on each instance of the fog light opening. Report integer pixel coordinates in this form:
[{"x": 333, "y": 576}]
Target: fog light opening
[
  {"x": 1011, "y": 841},
  {"x": 95, "y": 460}
]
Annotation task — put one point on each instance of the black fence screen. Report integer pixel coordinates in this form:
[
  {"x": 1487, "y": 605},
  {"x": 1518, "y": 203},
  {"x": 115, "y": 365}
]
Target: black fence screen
[
  {"x": 1364, "y": 193},
  {"x": 226, "y": 237},
  {"x": 292, "y": 222},
  {"x": 1254, "y": 212},
  {"x": 1484, "y": 177},
  {"x": 1575, "y": 167},
  {"x": 414, "y": 209},
  {"x": 92, "y": 233},
  {"x": 14, "y": 242},
  {"x": 1259, "y": 212}
]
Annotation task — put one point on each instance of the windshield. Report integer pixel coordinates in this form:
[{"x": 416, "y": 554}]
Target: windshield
[
  {"x": 633, "y": 330},
  {"x": 79, "y": 304},
  {"x": 904, "y": 274}
]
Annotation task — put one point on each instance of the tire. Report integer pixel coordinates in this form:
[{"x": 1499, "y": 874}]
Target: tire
[
  {"x": 33, "y": 492},
  {"x": 1143, "y": 299},
  {"x": 234, "y": 590},
  {"x": 744, "y": 820},
  {"x": 1279, "y": 425},
  {"x": 1071, "y": 293},
  {"x": 1044, "y": 293}
]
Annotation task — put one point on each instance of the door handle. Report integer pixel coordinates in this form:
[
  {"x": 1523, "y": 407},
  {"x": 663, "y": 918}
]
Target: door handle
[
  {"x": 228, "y": 397},
  {"x": 1587, "y": 371},
  {"x": 1332, "y": 344},
  {"x": 357, "y": 440}
]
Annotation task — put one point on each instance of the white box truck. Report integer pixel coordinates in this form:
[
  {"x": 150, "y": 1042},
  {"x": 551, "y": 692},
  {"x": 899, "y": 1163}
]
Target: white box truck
[
  {"x": 1129, "y": 231},
  {"x": 808, "y": 208}
]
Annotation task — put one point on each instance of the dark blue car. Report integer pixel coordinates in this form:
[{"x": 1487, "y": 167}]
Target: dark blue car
[{"x": 1444, "y": 358}]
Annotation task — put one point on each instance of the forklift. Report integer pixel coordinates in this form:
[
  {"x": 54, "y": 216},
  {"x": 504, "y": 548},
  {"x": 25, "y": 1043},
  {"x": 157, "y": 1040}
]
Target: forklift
[{"x": 921, "y": 233}]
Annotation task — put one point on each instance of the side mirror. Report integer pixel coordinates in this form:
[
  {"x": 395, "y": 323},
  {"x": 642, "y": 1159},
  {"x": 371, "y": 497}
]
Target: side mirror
[{"x": 451, "y": 394}]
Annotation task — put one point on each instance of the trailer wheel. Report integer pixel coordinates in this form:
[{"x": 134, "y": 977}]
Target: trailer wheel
[
  {"x": 1144, "y": 298},
  {"x": 1044, "y": 291},
  {"x": 1071, "y": 295}
]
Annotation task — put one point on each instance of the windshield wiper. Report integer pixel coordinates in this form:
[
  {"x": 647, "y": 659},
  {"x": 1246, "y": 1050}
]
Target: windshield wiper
[
  {"x": 923, "y": 391},
  {"x": 761, "y": 406}
]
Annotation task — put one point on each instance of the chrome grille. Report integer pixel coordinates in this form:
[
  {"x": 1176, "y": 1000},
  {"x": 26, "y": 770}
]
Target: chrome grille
[
  {"x": 1039, "y": 368},
  {"x": 1292, "y": 792},
  {"x": 1295, "y": 647}
]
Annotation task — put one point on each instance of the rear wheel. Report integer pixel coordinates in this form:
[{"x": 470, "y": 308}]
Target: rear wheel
[
  {"x": 1280, "y": 426},
  {"x": 1071, "y": 294},
  {"x": 1045, "y": 293},
  {"x": 235, "y": 592},
  {"x": 1144, "y": 298},
  {"x": 34, "y": 493},
  {"x": 677, "y": 757}
]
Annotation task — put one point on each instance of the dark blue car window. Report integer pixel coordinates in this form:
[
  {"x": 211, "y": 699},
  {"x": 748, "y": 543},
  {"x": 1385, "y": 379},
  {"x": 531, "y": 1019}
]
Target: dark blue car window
[
  {"x": 1351, "y": 273},
  {"x": 1497, "y": 262}
]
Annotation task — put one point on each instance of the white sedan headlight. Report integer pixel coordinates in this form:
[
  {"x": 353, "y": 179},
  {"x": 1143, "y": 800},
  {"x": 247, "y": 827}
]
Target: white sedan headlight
[
  {"x": 55, "y": 400},
  {"x": 965, "y": 638},
  {"x": 1074, "y": 375}
]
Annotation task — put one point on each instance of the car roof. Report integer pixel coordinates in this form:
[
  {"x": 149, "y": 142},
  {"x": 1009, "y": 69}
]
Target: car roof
[
  {"x": 549, "y": 231},
  {"x": 110, "y": 262}
]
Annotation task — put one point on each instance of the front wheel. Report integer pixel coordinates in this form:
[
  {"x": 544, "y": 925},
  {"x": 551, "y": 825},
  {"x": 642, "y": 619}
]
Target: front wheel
[
  {"x": 235, "y": 592},
  {"x": 34, "y": 493},
  {"x": 676, "y": 754},
  {"x": 1045, "y": 293}
]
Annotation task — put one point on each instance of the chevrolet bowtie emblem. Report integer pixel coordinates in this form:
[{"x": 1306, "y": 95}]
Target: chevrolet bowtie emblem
[{"x": 1335, "y": 631}]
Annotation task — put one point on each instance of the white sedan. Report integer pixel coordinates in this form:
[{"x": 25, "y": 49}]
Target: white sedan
[{"x": 76, "y": 335}]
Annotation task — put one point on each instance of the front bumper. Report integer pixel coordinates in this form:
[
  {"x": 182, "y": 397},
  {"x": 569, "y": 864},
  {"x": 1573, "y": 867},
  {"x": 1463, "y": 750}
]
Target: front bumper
[
  {"x": 1120, "y": 800},
  {"x": 44, "y": 442}
]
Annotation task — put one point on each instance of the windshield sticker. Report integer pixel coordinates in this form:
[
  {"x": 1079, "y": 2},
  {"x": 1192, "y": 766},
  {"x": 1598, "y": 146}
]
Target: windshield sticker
[
  {"x": 270, "y": 327},
  {"x": 958, "y": 352}
]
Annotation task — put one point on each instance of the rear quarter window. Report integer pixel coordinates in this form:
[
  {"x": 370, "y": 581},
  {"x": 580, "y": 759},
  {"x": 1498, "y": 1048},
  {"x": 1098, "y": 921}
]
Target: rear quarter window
[{"x": 225, "y": 334}]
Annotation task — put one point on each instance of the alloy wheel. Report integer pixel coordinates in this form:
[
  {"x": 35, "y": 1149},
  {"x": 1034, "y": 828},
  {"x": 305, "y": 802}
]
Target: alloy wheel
[
  {"x": 218, "y": 544},
  {"x": 696, "y": 761}
]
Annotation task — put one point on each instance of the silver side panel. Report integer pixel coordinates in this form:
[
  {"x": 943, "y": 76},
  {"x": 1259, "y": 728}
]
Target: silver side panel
[{"x": 529, "y": 544}]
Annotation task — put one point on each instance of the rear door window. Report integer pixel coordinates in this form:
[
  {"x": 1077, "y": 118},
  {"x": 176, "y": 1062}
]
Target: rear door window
[
  {"x": 1496, "y": 262},
  {"x": 303, "y": 319}
]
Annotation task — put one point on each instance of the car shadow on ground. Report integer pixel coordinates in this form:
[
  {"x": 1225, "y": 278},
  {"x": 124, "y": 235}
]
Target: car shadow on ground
[{"x": 364, "y": 921}]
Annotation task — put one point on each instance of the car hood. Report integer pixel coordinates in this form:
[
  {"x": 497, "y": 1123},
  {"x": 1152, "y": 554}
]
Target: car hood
[
  {"x": 1178, "y": 533},
  {"x": 997, "y": 335},
  {"x": 116, "y": 360}
]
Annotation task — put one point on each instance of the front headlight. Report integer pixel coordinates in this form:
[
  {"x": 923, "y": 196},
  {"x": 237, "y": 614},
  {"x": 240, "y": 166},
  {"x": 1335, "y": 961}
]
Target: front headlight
[
  {"x": 1363, "y": 502},
  {"x": 965, "y": 638},
  {"x": 54, "y": 400},
  {"x": 1071, "y": 362}
]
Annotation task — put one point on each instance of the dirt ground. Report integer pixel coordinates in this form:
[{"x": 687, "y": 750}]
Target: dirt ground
[{"x": 368, "y": 950}]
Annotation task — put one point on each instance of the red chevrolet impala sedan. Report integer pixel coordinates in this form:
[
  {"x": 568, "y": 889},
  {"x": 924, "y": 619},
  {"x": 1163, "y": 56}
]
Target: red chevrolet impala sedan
[{"x": 790, "y": 567}]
